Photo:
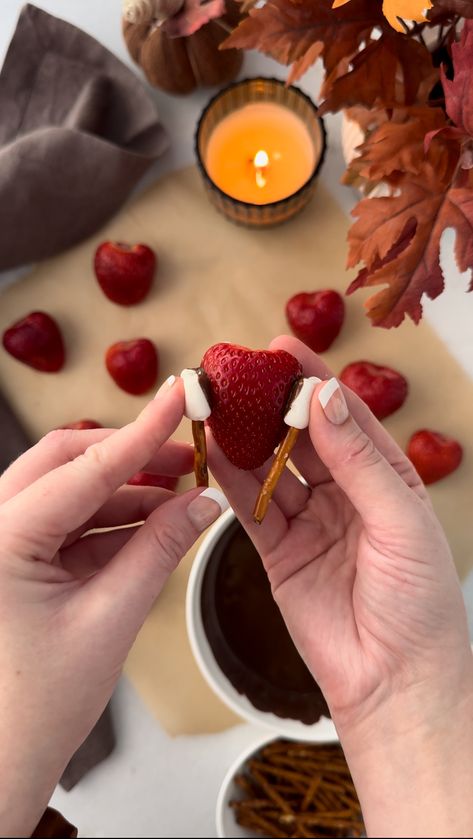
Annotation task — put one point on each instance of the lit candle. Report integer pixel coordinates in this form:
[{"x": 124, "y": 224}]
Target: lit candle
[
  {"x": 260, "y": 153},
  {"x": 259, "y": 146}
]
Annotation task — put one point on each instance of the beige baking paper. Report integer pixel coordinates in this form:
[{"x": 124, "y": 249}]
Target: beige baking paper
[{"x": 216, "y": 282}]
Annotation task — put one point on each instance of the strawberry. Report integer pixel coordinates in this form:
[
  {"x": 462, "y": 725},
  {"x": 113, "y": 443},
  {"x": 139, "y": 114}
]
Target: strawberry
[
  {"x": 133, "y": 365},
  {"x": 249, "y": 389},
  {"x": 384, "y": 390},
  {"x": 316, "y": 317},
  {"x": 81, "y": 425},
  {"x": 36, "y": 340},
  {"x": 434, "y": 455},
  {"x": 124, "y": 272},
  {"x": 149, "y": 479}
]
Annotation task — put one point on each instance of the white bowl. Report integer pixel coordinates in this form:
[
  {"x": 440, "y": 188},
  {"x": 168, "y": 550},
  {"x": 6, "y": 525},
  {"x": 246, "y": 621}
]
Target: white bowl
[
  {"x": 227, "y": 827},
  {"x": 210, "y": 669}
]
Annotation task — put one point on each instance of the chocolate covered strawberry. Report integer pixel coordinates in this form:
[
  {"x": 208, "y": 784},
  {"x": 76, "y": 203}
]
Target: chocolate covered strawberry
[
  {"x": 124, "y": 272},
  {"x": 36, "y": 340},
  {"x": 149, "y": 479},
  {"x": 249, "y": 392},
  {"x": 316, "y": 317},
  {"x": 384, "y": 390},
  {"x": 133, "y": 365},
  {"x": 434, "y": 455}
]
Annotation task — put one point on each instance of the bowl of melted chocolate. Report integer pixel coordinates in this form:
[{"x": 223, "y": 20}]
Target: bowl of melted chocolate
[{"x": 241, "y": 642}]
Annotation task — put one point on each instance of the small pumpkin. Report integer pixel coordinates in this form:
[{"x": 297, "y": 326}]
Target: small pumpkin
[{"x": 180, "y": 64}]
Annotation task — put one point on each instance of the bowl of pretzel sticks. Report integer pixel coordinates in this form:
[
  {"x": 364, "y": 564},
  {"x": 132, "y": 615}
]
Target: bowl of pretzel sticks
[{"x": 287, "y": 788}]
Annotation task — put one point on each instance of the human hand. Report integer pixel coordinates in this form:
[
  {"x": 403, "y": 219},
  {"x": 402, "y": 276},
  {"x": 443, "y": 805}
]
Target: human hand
[
  {"x": 71, "y": 604},
  {"x": 364, "y": 578}
]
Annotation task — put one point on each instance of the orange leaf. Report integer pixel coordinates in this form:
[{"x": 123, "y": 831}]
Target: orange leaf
[
  {"x": 398, "y": 238},
  {"x": 398, "y": 144},
  {"x": 395, "y": 9},
  {"x": 302, "y": 30},
  {"x": 360, "y": 68},
  {"x": 374, "y": 79}
]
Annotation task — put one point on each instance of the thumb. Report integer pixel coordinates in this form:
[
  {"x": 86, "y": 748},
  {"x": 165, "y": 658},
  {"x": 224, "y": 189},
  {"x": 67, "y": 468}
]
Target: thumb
[
  {"x": 132, "y": 580},
  {"x": 372, "y": 485}
]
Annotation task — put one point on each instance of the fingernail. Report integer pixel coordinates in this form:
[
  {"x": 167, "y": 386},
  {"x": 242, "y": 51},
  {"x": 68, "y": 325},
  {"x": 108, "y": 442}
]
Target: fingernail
[
  {"x": 333, "y": 402},
  {"x": 206, "y": 508},
  {"x": 166, "y": 385}
]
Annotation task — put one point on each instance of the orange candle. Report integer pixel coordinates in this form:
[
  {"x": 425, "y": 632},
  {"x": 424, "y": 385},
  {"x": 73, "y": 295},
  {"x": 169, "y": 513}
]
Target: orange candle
[{"x": 260, "y": 153}]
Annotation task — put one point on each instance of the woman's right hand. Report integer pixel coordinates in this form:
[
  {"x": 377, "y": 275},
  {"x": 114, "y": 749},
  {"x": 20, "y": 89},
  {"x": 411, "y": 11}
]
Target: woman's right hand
[{"x": 363, "y": 575}]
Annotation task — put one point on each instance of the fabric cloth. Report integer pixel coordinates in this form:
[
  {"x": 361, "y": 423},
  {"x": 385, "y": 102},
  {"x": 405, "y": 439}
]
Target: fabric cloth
[
  {"x": 53, "y": 825},
  {"x": 77, "y": 131},
  {"x": 96, "y": 747}
]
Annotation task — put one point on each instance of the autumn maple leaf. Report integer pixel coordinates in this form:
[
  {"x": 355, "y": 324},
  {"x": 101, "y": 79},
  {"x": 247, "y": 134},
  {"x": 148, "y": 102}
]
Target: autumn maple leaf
[
  {"x": 459, "y": 91},
  {"x": 443, "y": 10},
  {"x": 388, "y": 71},
  {"x": 399, "y": 240},
  {"x": 387, "y": 68},
  {"x": 395, "y": 9},
  {"x": 396, "y": 145}
]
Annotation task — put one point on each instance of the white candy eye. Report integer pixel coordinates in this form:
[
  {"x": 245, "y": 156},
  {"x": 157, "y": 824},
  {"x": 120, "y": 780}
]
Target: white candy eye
[
  {"x": 298, "y": 414},
  {"x": 197, "y": 406}
]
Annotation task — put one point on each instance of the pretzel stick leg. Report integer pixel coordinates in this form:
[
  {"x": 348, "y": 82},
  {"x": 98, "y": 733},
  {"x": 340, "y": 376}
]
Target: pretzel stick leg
[
  {"x": 277, "y": 468},
  {"x": 200, "y": 454}
]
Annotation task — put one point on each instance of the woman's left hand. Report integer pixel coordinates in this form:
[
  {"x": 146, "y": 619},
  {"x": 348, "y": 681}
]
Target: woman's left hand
[{"x": 72, "y": 602}]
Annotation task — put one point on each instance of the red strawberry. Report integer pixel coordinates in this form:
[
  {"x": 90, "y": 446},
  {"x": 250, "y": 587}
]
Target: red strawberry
[
  {"x": 36, "y": 340},
  {"x": 250, "y": 389},
  {"x": 133, "y": 365},
  {"x": 384, "y": 390},
  {"x": 434, "y": 455},
  {"x": 316, "y": 317},
  {"x": 81, "y": 425},
  {"x": 149, "y": 479},
  {"x": 124, "y": 272}
]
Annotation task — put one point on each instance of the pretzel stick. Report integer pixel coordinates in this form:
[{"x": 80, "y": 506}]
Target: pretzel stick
[
  {"x": 200, "y": 454},
  {"x": 277, "y": 468}
]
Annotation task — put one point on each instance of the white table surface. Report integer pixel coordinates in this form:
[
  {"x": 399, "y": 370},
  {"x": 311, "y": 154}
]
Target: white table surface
[{"x": 154, "y": 785}]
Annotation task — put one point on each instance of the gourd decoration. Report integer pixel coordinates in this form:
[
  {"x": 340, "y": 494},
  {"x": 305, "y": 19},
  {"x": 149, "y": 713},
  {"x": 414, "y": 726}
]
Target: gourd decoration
[{"x": 176, "y": 42}]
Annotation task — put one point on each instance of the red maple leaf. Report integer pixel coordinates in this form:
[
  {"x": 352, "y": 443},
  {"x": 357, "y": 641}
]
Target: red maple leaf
[
  {"x": 398, "y": 238},
  {"x": 444, "y": 10},
  {"x": 388, "y": 71},
  {"x": 459, "y": 92},
  {"x": 391, "y": 69},
  {"x": 397, "y": 145}
]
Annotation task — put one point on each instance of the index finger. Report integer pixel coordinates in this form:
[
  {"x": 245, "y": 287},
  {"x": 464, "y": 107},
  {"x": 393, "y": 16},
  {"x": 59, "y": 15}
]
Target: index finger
[
  {"x": 305, "y": 457},
  {"x": 66, "y": 497}
]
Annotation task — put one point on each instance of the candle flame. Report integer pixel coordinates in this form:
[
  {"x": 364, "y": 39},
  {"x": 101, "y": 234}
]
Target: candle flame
[{"x": 260, "y": 161}]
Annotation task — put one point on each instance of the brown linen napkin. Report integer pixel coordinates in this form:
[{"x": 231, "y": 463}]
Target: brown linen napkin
[
  {"x": 77, "y": 131},
  {"x": 96, "y": 747}
]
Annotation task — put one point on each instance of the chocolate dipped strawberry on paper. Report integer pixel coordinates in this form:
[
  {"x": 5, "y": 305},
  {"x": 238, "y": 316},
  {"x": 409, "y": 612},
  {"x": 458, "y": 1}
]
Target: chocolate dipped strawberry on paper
[{"x": 253, "y": 401}]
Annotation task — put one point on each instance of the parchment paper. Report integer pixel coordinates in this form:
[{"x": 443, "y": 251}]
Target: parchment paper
[{"x": 218, "y": 282}]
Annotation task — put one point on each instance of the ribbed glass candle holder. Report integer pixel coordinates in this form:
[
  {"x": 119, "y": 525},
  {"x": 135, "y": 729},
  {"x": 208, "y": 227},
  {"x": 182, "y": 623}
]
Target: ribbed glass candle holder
[{"x": 234, "y": 97}]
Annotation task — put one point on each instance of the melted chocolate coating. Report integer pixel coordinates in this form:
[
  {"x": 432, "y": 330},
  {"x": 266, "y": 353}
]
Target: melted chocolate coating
[{"x": 248, "y": 636}]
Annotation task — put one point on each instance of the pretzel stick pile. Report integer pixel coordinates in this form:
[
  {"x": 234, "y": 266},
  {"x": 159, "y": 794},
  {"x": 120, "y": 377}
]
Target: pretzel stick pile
[{"x": 298, "y": 789}]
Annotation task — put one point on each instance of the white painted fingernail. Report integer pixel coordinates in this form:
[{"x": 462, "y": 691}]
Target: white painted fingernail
[
  {"x": 166, "y": 385},
  {"x": 206, "y": 508},
  {"x": 333, "y": 402}
]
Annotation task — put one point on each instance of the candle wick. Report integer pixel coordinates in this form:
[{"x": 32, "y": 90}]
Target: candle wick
[{"x": 260, "y": 178}]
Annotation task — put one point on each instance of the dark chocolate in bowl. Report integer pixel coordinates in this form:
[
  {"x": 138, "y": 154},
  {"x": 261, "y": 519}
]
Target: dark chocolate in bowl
[{"x": 248, "y": 636}]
